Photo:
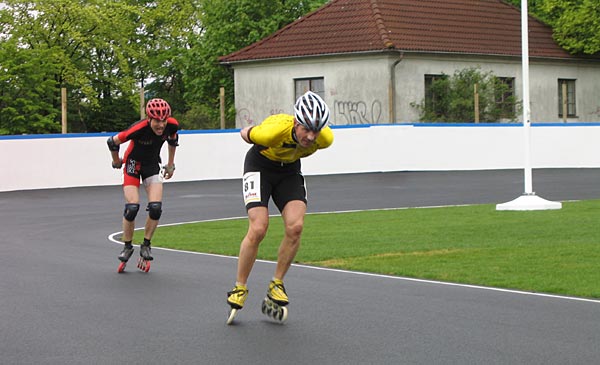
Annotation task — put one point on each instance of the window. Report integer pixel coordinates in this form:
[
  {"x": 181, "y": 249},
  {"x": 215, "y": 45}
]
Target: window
[
  {"x": 505, "y": 96},
  {"x": 566, "y": 87},
  {"x": 433, "y": 93},
  {"x": 316, "y": 85}
]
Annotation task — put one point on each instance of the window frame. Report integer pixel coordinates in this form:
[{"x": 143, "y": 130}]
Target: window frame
[
  {"x": 430, "y": 97},
  {"x": 314, "y": 84},
  {"x": 571, "y": 98}
]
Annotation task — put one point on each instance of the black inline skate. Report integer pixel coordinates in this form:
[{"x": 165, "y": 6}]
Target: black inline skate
[
  {"x": 145, "y": 257},
  {"x": 124, "y": 256}
]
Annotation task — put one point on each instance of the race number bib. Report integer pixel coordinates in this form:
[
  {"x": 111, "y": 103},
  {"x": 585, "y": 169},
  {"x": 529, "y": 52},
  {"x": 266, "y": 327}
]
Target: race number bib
[{"x": 251, "y": 186}]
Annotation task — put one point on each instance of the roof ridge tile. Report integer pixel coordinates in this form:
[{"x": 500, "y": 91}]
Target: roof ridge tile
[{"x": 387, "y": 42}]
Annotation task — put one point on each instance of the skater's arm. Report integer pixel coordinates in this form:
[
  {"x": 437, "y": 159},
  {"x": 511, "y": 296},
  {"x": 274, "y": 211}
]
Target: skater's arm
[
  {"x": 170, "y": 166},
  {"x": 113, "y": 145},
  {"x": 245, "y": 133}
]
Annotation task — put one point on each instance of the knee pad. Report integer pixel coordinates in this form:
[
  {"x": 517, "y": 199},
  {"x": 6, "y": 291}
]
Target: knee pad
[
  {"x": 154, "y": 210},
  {"x": 131, "y": 210}
]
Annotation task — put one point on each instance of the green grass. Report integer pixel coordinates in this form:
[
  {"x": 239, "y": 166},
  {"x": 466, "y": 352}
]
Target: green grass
[{"x": 552, "y": 251}]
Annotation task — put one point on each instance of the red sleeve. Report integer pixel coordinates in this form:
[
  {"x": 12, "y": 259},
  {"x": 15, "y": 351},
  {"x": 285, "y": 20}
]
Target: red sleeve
[
  {"x": 128, "y": 133},
  {"x": 173, "y": 138}
]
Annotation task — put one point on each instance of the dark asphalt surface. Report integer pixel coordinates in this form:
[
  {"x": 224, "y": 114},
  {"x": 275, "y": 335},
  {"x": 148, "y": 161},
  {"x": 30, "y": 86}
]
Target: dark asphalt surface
[{"x": 62, "y": 301}]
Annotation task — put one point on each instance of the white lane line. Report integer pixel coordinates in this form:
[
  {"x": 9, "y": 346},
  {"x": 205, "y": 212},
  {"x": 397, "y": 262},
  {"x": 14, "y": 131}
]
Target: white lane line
[{"x": 111, "y": 238}]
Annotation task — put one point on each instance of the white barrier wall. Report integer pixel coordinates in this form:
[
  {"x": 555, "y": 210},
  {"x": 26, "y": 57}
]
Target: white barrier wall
[{"x": 57, "y": 161}]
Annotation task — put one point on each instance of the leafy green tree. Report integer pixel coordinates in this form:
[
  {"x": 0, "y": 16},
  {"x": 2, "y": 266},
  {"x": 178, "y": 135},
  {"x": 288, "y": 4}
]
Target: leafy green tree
[
  {"x": 574, "y": 22},
  {"x": 450, "y": 99},
  {"x": 166, "y": 33},
  {"x": 27, "y": 97},
  {"x": 229, "y": 25},
  {"x": 82, "y": 46},
  {"x": 103, "y": 52}
]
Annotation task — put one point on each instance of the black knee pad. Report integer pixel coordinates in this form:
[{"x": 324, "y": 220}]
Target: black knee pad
[
  {"x": 131, "y": 210},
  {"x": 154, "y": 210}
]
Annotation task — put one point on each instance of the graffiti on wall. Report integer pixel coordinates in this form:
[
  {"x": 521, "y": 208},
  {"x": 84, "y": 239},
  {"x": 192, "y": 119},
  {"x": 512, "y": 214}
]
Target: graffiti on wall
[
  {"x": 345, "y": 112},
  {"x": 357, "y": 112},
  {"x": 246, "y": 118}
]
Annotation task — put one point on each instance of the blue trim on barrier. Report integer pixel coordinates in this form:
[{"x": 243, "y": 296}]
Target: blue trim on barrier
[
  {"x": 348, "y": 126},
  {"x": 105, "y": 134},
  {"x": 472, "y": 125},
  {"x": 208, "y": 131},
  {"x": 51, "y": 136},
  {"x": 352, "y": 126},
  {"x": 477, "y": 125}
]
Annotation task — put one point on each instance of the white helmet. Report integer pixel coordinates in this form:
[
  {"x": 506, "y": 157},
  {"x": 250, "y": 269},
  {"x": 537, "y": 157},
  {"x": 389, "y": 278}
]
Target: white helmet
[{"x": 311, "y": 111}]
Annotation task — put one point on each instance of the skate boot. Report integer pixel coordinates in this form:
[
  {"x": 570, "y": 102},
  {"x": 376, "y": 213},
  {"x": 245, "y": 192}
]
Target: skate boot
[
  {"x": 124, "y": 256},
  {"x": 274, "y": 304},
  {"x": 236, "y": 298},
  {"x": 145, "y": 256}
]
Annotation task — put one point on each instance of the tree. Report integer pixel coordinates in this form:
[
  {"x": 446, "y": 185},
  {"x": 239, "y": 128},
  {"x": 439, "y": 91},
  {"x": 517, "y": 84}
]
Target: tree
[
  {"x": 227, "y": 27},
  {"x": 27, "y": 97},
  {"x": 166, "y": 32},
  {"x": 103, "y": 52},
  {"x": 574, "y": 22},
  {"x": 451, "y": 99},
  {"x": 79, "y": 45}
]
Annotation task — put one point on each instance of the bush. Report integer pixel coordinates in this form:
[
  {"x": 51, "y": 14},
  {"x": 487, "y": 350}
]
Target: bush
[{"x": 452, "y": 99}]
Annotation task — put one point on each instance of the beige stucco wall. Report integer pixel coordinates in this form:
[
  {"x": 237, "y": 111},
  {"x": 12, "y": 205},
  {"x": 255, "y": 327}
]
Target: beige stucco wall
[
  {"x": 410, "y": 73},
  {"x": 543, "y": 83},
  {"x": 357, "y": 87}
]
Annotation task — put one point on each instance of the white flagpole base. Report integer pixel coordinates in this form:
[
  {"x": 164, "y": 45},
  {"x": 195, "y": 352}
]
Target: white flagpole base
[{"x": 529, "y": 202}]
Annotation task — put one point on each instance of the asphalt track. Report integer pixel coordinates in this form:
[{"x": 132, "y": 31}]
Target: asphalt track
[{"x": 62, "y": 301}]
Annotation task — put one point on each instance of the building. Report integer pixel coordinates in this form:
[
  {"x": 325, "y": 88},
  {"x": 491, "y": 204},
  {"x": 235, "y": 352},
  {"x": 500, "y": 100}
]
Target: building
[{"x": 372, "y": 59}]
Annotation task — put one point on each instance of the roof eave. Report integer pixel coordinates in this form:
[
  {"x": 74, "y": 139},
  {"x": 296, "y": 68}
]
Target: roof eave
[
  {"x": 227, "y": 63},
  {"x": 388, "y": 50}
]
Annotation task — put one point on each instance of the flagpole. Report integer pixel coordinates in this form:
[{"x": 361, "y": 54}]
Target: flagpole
[
  {"x": 527, "y": 201},
  {"x": 526, "y": 102}
]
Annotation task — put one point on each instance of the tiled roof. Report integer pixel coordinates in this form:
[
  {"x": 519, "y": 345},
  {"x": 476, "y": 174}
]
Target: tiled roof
[{"x": 487, "y": 27}]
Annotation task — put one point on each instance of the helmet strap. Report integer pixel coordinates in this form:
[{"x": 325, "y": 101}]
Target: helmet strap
[{"x": 294, "y": 131}]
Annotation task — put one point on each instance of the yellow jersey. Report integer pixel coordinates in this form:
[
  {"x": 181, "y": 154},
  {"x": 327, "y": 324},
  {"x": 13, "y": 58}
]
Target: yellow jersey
[{"x": 275, "y": 138}]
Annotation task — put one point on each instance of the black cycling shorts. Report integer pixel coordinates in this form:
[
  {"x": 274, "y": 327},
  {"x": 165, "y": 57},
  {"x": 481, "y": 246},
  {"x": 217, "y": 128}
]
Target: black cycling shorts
[
  {"x": 265, "y": 179},
  {"x": 134, "y": 170}
]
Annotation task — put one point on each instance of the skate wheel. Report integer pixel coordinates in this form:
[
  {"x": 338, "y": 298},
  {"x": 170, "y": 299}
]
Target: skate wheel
[
  {"x": 122, "y": 267},
  {"x": 231, "y": 316},
  {"x": 265, "y": 307},
  {"x": 143, "y": 265},
  {"x": 283, "y": 315},
  {"x": 274, "y": 310}
]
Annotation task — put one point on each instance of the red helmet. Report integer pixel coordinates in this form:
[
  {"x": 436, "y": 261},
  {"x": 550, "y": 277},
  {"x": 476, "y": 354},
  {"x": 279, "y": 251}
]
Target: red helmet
[{"x": 158, "y": 109}]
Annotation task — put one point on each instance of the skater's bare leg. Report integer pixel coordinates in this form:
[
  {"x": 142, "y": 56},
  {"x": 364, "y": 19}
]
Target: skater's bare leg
[
  {"x": 258, "y": 223},
  {"x": 132, "y": 196},
  {"x": 293, "y": 219},
  {"x": 155, "y": 193}
]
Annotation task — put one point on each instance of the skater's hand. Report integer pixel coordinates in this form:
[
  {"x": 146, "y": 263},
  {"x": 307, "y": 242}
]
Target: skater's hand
[
  {"x": 169, "y": 170},
  {"x": 117, "y": 164}
]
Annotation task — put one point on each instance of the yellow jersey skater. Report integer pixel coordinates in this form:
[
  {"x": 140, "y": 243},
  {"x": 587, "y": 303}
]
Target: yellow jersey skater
[{"x": 272, "y": 170}]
